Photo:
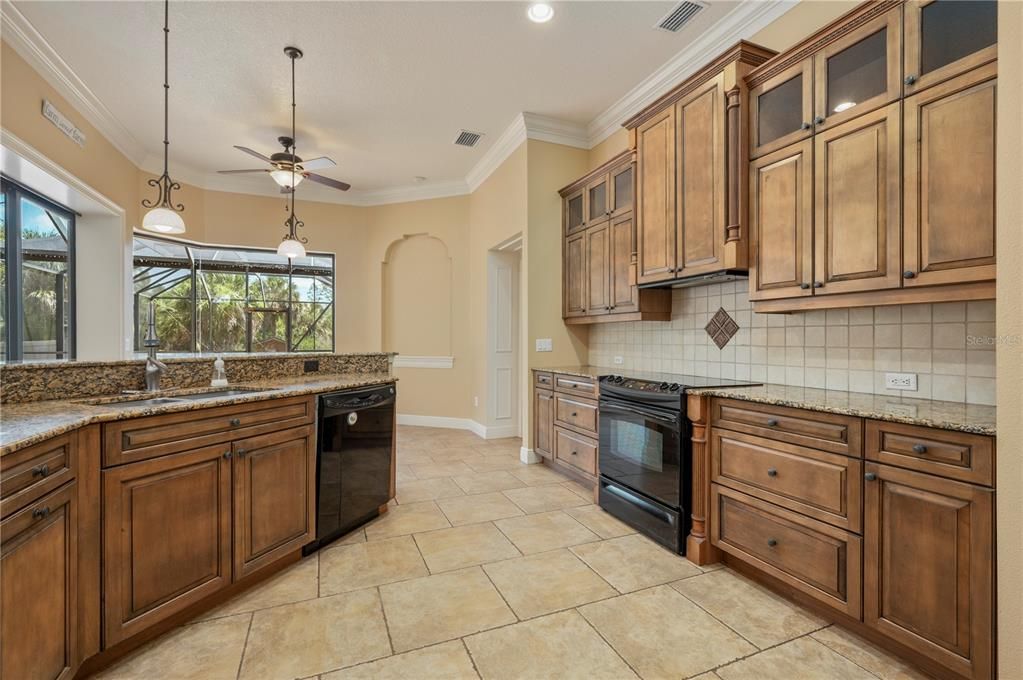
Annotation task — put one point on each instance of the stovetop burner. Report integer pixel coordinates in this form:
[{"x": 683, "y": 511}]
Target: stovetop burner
[{"x": 664, "y": 389}]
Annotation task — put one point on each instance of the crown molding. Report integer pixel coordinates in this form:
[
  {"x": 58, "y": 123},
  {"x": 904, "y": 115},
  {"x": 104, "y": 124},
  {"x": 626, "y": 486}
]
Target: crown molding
[
  {"x": 504, "y": 146},
  {"x": 34, "y": 49},
  {"x": 742, "y": 22},
  {"x": 555, "y": 130}
]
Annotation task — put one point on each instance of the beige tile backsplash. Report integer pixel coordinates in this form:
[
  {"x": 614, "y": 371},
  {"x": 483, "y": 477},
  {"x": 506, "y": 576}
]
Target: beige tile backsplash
[{"x": 948, "y": 345}]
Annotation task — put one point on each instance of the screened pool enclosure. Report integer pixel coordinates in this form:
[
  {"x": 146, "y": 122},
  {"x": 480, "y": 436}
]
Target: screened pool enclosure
[{"x": 209, "y": 298}]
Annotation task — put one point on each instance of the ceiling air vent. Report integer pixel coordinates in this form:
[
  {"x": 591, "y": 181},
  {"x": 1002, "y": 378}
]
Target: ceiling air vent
[
  {"x": 679, "y": 16},
  {"x": 467, "y": 138}
]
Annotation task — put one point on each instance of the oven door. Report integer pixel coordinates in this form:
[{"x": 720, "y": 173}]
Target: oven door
[{"x": 641, "y": 449}]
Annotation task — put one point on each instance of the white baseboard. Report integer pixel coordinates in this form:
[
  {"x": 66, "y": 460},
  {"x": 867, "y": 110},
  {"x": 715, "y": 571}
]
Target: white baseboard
[
  {"x": 529, "y": 456},
  {"x": 478, "y": 429}
]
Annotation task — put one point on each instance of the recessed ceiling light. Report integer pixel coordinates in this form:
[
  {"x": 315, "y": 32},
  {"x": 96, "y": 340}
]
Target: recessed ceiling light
[{"x": 540, "y": 12}]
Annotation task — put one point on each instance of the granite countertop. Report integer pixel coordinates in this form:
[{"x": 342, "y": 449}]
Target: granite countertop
[
  {"x": 581, "y": 371},
  {"x": 24, "y": 424},
  {"x": 946, "y": 415}
]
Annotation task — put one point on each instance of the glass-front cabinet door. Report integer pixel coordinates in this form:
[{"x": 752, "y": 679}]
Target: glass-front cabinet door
[
  {"x": 947, "y": 37},
  {"x": 781, "y": 110},
  {"x": 623, "y": 180},
  {"x": 575, "y": 218},
  {"x": 598, "y": 208},
  {"x": 859, "y": 73}
]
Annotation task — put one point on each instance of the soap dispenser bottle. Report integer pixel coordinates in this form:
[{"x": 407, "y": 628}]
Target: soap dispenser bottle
[{"x": 219, "y": 374}]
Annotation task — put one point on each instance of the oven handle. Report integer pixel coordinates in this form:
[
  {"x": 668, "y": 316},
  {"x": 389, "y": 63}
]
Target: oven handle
[
  {"x": 643, "y": 505},
  {"x": 606, "y": 405}
]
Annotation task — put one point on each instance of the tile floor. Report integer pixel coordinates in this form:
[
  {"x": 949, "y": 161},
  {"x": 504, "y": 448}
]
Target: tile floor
[{"x": 488, "y": 568}]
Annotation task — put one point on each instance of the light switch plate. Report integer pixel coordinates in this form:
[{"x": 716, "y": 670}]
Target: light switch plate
[
  {"x": 619, "y": 361},
  {"x": 900, "y": 381},
  {"x": 544, "y": 345}
]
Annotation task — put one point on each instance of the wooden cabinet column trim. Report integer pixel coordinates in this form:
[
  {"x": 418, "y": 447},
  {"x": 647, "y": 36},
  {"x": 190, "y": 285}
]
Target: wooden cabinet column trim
[
  {"x": 698, "y": 547},
  {"x": 734, "y": 155}
]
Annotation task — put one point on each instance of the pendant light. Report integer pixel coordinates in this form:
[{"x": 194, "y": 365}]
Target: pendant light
[
  {"x": 292, "y": 245},
  {"x": 163, "y": 215}
]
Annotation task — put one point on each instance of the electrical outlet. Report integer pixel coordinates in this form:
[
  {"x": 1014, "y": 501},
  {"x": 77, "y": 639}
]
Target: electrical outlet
[
  {"x": 900, "y": 381},
  {"x": 311, "y": 365},
  {"x": 619, "y": 361},
  {"x": 544, "y": 345}
]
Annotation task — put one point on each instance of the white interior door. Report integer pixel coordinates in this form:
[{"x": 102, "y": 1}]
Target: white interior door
[{"x": 503, "y": 344}]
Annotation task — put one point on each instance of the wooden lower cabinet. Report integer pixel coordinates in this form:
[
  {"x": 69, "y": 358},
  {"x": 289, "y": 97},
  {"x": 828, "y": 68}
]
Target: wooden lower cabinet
[
  {"x": 39, "y": 589},
  {"x": 166, "y": 538},
  {"x": 274, "y": 479},
  {"x": 929, "y": 566},
  {"x": 543, "y": 422}
]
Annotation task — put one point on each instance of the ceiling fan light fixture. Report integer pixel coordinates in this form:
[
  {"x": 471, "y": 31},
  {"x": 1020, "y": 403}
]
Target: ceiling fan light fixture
[
  {"x": 287, "y": 178},
  {"x": 163, "y": 221}
]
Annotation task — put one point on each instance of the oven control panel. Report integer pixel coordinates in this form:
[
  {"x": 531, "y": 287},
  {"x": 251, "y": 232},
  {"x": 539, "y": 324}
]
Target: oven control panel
[{"x": 641, "y": 385}]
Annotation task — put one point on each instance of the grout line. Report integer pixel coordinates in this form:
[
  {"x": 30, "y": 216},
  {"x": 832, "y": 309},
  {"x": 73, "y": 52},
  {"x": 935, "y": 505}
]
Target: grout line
[
  {"x": 245, "y": 646},
  {"x": 469, "y": 654},
  {"x": 501, "y": 595},
  {"x": 607, "y": 642},
  {"x": 387, "y": 625}
]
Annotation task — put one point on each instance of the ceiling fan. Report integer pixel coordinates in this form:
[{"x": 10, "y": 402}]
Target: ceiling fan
[{"x": 286, "y": 168}]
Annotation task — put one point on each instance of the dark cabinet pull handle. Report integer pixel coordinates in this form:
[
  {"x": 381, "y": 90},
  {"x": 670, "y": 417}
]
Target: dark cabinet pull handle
[
  {"x": 40, "y": 470},
  {"x": 771, "y": 472},
  {"x": 919, "y": 448},
  {"x": 910, "y": 79},
  {"x": 773, "y": 422},
  {"x": 772, "y": 542},
  {"x": 818, "y": 284},
  {"x": 870, "y": 476},
  {"x": 41, "y": 513},
  {"x": 575, "y": 453},
  {"x": 235, "y": 422},
  {"x": 908, "y": 274},
  {"x": 227, "y": 455},
  {"x": 818, "y": 120},
  {"x": 805, "y": 126},
  {"x": 804, "y": 285}
]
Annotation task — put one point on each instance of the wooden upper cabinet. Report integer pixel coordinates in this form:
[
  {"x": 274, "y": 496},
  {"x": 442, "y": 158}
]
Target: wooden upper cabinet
[
  {"x": 949, "y": 185},
  {"x": 575, "y": 216},
  {"x": 598, "y": 201},
  {"x": 655, "y": 147},
  {"x": 857, "y": 235},
  {"x": 39, "y": 589},
  {"x": 700, "y": 123},
  {"x": 859, "y": 72},
  {"x": 574, "y": 276},
  {"x": 597, "y": 252},
  {"x": 624, "y": 297},
  {"x": 166, "y": 537},
  {"x": 781, "y": 109},
  {"x": 945, "y": 38},
  {"x": 781, "y": 220},
  {"x": 928, "y": 566},
  {"x": 622, "y": 181},
  {"x": 274, "y": 497}
]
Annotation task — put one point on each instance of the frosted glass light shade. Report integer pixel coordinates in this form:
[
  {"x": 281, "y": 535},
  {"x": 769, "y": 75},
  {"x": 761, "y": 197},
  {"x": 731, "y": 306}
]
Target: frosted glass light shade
[
  {"x": 163, "y": 221},
  {"x": 290, "y": 248},
  {"x": 285, "y": 178}
]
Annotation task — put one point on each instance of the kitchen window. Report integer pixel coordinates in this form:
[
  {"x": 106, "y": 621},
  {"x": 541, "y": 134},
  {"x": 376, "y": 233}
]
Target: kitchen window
[
  {"x": 37, "y": 292},
  {"x": 220, "y": 299}
]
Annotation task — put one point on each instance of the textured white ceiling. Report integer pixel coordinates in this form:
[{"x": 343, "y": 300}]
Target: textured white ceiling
[{"x": 384, "y": 86}]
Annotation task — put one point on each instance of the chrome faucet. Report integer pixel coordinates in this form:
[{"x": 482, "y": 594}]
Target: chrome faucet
[{"x": 154, "y": 367}]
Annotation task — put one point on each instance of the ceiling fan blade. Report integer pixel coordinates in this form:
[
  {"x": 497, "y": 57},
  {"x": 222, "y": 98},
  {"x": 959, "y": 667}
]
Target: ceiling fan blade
[
  {"x": 320, "y": 179},
  {"x": 317, "y": 163},
  {"x": 235, "y": 172},
  {"x": 253, "y": 153}
]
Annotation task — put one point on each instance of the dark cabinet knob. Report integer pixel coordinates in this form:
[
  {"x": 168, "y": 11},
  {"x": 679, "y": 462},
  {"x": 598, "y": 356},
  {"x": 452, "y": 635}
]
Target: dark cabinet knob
[
  {"x": 804, "y": 286},
  {"x": 910, "y": 79},
  {"x": 908, "y": 274},
  {"x": 771, "y": 472},
  {"x": 575, "y": 453},
  {"x": 773, "y": 422},
  {"x": 41, "y": 513},
  {"x": 772, "y": 542},
  {"x": 870, "y": 476},
  {"x": 227, "y": 455},
  {"x": 235, "y": 422},
  {"x": 805, "y": 126},
  {"x": 241, "y": 453},
  {"x": 574, "y": 414},
  {"x": 818, "y": 284},
  {"x": 818, "y": 120},
  {"x": 40, "y": 470},
  {"x": 919, "y": 448}
]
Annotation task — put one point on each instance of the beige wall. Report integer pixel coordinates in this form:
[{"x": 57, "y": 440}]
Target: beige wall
[
  {"x": 1009, "y": 325},
  {"x": 608, "y": 149},
  {"x": 799, "y": 22}
]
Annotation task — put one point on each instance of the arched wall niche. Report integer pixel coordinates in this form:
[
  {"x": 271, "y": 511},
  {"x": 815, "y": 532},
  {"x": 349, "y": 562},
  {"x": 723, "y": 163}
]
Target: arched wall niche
[{"x": 416, "y": 315}]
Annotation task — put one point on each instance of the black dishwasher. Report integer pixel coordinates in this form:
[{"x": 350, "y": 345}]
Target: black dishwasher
[{"x": 353, "y": 467}]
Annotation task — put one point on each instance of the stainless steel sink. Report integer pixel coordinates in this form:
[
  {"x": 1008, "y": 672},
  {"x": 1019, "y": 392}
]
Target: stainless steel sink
[
  {"x": 141, "y": 400},
  {"x": 218, "y": 393},
  {"x": 156, "y": 401}
]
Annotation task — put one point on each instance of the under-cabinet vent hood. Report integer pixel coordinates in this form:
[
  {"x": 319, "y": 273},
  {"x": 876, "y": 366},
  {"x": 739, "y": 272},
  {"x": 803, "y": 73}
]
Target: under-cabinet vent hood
[
  {"x": 700, "y": 280},
  {"x": 679, "y": 16}
]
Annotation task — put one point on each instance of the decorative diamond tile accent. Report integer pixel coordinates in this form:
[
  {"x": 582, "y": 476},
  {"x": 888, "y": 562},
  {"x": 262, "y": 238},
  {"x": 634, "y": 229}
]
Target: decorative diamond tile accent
[{"x": 721, "y": 328}]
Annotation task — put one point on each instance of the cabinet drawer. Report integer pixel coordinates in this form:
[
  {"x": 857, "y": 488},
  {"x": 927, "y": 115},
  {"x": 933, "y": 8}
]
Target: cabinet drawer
[
  {"x": 577, "y": 385},
  {"x": 825, "y": 431},
  {"x": 28, "y": 474},
  {"x": 143, "y": 438},
  {"x": 816, "y": 558},
  {"x": 578, "y": 414},
  {"x": 543, "y": 379},
  {"x": 956, "y": 455},
  {"x": 824, "y": 486},
  {"x": 577, "y": 451}
]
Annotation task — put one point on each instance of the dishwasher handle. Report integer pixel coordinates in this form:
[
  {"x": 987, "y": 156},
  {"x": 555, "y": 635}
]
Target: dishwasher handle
[{"x": 346, "y": 402}]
